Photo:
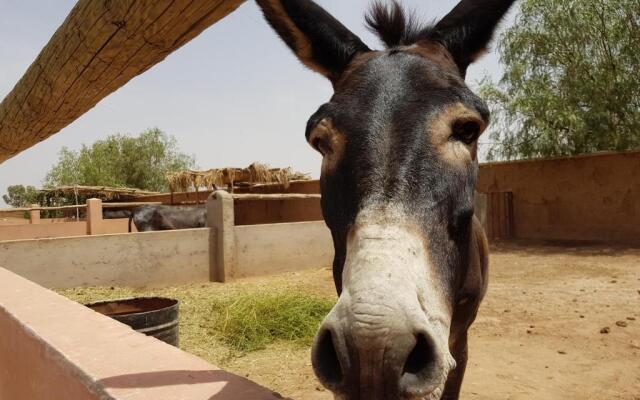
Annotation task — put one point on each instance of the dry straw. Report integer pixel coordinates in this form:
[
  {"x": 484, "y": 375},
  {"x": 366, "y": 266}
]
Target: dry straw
[{"x": 255, "y": 173}]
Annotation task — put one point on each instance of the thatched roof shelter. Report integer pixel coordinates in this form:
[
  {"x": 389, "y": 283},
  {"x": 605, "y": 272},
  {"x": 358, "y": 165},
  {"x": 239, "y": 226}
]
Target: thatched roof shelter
[
  {"x": 101, "y": 192},
  {"x": 255, "y": 173}
]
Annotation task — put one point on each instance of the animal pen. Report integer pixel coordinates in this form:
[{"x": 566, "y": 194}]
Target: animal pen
[
  {"x": 98, "y": 49},
  {"x": 60, "y": 349}
]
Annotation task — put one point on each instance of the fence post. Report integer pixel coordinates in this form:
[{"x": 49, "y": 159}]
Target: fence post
[
  {"x": 94, "y": 217},
  {"x": 220, "y": 218},
  {"x": 34, "y": 215}
]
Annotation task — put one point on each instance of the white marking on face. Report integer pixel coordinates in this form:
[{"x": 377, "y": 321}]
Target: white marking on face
[{"x": 388, "y": 279}]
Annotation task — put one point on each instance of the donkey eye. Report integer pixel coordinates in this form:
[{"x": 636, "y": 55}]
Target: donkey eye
[{"x": 466, "y": 131}]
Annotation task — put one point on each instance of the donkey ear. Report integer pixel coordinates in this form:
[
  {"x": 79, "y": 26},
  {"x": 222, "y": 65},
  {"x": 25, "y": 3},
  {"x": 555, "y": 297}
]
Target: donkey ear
[
  {"x": 317, "y": 38},
  {"x": 467, "y": 30}
]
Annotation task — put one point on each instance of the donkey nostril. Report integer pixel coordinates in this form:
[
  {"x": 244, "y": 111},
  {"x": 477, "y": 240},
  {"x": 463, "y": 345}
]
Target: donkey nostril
[
  {"x": 420, "y": 371},
  {"x": 420, "y": 357},
  {"x": 325, "y": 360}
]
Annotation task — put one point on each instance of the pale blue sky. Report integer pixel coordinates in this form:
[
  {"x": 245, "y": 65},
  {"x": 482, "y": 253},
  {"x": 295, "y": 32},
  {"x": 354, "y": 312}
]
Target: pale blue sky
[{"x": 233, "y": 95}]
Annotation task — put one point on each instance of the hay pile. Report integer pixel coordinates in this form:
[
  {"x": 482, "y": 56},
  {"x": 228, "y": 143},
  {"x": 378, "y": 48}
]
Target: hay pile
[
  {"x": 230, "y": 320},
  {"x": 254, "y": 174}
]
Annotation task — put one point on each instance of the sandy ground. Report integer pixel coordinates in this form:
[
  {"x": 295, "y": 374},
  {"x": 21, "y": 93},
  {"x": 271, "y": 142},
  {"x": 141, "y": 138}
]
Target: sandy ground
[{"x": 537, "y": 335}]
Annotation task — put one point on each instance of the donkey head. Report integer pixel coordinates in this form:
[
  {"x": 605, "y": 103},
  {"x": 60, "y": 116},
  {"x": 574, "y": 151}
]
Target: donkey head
[{"x": 399, "y": 144}]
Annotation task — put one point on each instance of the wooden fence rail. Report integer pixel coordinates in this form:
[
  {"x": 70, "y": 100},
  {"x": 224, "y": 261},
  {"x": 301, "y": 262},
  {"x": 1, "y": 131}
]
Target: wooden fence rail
[
  {"x": 239, "y": 197},
  {"x": 78, "y": 206},
  {"x": 100, "y": 47}
]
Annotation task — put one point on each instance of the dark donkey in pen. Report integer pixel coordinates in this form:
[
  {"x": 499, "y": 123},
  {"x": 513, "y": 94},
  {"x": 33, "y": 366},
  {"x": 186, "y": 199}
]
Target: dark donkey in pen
[
  {"x": 399, "y": 145},
  {"x": 163, "y": 218}
]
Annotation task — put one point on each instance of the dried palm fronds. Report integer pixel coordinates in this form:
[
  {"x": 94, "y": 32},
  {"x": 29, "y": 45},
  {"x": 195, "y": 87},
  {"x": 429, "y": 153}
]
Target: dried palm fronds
[{"x": 254, "y": 174}]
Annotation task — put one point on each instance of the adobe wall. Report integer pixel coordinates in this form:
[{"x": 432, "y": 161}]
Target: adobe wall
[
  {"x": 276, "y": 248},
  {"x": 592, "y": 197}
]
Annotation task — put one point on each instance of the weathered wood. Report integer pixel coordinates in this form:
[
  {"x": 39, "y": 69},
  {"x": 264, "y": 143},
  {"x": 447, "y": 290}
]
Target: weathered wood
[
  {"x": 100, "y": 47},
  {"x": 97, "y": 191},
  {"x": 130, "y": 204},
  {"x": 79, "y": 206},
  {"x": 306, "y": 187},
  {"x": 280, "y": 196}
]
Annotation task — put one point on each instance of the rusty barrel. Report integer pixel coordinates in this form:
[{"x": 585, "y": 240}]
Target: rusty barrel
[{"x": 153, "y": 316}]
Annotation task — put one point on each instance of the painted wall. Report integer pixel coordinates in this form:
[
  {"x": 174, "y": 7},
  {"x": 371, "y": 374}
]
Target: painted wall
[
  {"x": 118, "y": 225},
  {"x": 54, "y": 348},
  {"x": 252, "y": 212},
  {"x": 167, "y": 257},
  {"x": 47, "y": 228},
  {"x": 22, "y": 221},
  {"x": 275, "y": 248},
  {"x": 29, "y": 371},
  {"x": 136, "y": 259},
  {"x": 592, "y": 197}
]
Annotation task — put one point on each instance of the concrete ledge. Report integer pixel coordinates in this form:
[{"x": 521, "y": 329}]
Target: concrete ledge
[
  {"x": 42, "y": 230},
  {"x": 54, "y": 348},
  {"x": 277, "y": 248},
  {"x": 136, "y": 259},
  {"x": 51, "y": 228}
]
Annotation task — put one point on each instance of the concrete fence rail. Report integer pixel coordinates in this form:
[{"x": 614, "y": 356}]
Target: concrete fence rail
[
  {"x": 94, "y": 223},
  {"x": 54, "y": 348},
  {"x": 44, "y": 230},
  {"x": 249, "y": 209},
  {"x": 137, "y": 259},
  {"x": 274, "y": 248},
  {"x": 220, "y": 252}
]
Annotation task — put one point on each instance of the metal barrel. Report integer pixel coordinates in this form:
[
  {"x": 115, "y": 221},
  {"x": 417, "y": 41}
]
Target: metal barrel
[{"x": 153, "y": 316}]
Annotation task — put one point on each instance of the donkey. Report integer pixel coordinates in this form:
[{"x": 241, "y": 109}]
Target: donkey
[
  {"x": 164, "y": 218},
  {"x": 399, "y": 145}
]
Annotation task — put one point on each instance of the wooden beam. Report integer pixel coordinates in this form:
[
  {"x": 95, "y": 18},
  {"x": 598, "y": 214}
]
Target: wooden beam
[
  {"x": 274, "y": 197},
  {"x": 99, "y": 47},
  {"x": 79, "y": 206},
  {"x": 308, "y": 187}
]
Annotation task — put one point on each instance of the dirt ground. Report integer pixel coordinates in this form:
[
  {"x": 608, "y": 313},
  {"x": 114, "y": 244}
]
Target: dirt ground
[{"x": 537, "y": 335}]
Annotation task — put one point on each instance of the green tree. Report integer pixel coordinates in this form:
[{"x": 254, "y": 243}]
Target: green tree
[
  {"x": 20, "y": 196},
  {"x": 121, "y": 161},
  {"x": 571, "y": 83}
]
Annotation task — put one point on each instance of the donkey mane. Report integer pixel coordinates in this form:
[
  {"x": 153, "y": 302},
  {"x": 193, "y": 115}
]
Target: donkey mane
[
  {"x": 396, "y": 26},
  {"x": 465, "y": 38}
]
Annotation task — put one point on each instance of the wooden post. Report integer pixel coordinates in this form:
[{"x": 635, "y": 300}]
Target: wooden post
[
  {"x": 94, "y": 217},
  {"x": 220, "y": 218},
  {"x": 99, "y": 47},
  {"x": 34, "y": 215}
]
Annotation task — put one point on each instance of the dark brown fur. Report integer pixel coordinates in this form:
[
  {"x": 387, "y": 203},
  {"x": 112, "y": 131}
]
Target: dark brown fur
[{"x": 399, "y": 132}]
